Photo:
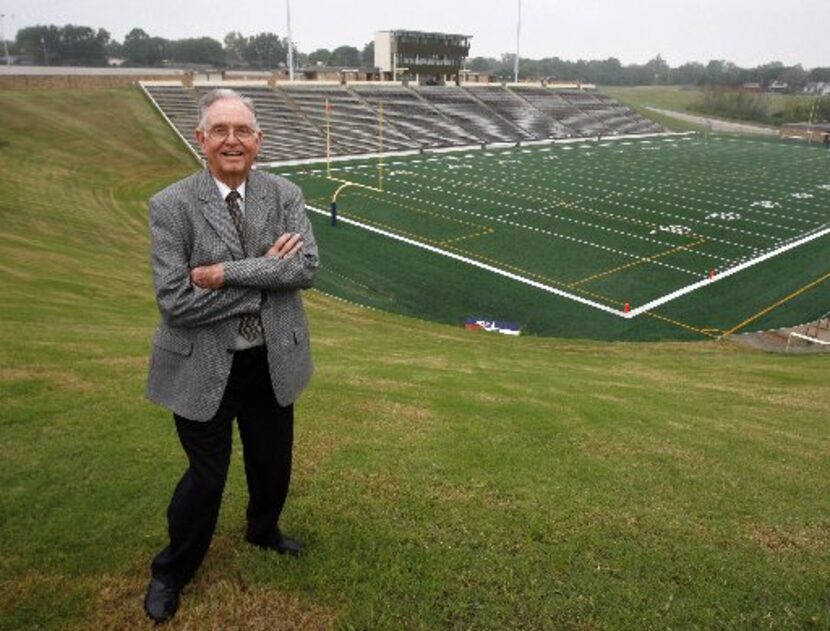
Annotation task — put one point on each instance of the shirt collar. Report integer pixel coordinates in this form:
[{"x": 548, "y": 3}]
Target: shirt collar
[{"x": 224, "y": 189}]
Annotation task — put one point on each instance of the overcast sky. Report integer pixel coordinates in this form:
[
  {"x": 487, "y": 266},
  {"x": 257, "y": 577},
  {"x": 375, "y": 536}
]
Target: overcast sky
[{"x": 746, "y": 32}]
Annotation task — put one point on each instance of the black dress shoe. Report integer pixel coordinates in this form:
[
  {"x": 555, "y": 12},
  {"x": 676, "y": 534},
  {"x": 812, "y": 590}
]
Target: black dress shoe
[
  {"x": 281, "y": 544},
  {"x": 161, "y": 601}
]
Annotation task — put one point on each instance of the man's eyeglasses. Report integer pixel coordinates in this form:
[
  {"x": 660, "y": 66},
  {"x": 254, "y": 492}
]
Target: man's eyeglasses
[{"x": 242, "y": 134}]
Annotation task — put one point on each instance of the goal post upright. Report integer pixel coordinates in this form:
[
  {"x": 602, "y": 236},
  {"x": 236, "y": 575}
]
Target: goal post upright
[
  {"x": 328, "y": 138},
  {"x": 380, "y": 147}
]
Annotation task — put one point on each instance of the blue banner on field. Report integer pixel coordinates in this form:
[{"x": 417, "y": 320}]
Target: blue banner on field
[{"x": 494, "y": 326}]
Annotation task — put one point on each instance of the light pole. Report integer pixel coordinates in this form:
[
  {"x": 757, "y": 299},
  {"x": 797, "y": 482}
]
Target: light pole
[
  {"x": 5, "y": 43},
  {"x": 290, "y": 42},
  {"x": 518, "y": 33}
]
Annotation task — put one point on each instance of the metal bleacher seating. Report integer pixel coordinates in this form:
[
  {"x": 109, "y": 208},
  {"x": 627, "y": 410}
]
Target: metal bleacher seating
[
  {"x": 288, "y": 134},
  {"x": 568, "y": 117},
  {"x": 181, "y": 107},
  {"x": 354, "y": 126},
  {"x": 294, "y": 119},
  {"x": 472, "y": 115},
  {"x": 518, "y": 111},
  {"x": 617, "y": 118},
  {"x": 403, "y": 109}
]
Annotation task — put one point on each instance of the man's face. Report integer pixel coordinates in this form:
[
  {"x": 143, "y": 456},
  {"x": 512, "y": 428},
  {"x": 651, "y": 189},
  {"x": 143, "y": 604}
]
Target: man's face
[{"x": 230, "y": 159}]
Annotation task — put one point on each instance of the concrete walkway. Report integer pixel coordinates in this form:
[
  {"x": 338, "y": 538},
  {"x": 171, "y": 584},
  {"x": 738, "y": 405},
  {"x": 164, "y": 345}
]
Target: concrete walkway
[{"x": 717, "y": 124}]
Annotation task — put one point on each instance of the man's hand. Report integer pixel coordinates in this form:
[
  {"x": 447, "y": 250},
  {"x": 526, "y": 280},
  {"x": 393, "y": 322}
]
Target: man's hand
[
  {"x": 286, "y": 246},
  {"x": 208, "y": 276}
]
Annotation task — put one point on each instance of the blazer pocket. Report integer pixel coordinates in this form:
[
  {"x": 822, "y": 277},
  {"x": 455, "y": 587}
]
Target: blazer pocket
[
  {"x": 169, "y": 341},
  {"x": 299, "y": 335}
]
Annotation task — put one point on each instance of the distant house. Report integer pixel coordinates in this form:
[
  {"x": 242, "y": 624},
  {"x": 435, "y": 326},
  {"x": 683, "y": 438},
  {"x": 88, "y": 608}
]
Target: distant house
[
  {"x": 752, "y": 87},
  {"x": 779, "y": 86},
  {"x": 819, "y": 88}
]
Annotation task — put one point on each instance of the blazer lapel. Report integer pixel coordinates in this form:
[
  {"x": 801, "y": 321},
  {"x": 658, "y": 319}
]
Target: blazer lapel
[{"x": 216, "y": 213}]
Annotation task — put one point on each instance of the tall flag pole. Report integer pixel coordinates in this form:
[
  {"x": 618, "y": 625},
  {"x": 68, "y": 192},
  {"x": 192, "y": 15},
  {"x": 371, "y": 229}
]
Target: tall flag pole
[
  {"x": 290, "y": 41},
  {"x": 518, "y": 33}
]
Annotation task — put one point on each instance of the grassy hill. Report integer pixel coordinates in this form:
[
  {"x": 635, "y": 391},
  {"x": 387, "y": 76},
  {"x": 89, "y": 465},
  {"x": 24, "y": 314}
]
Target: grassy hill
[
  {"x": 443, "y": 478},
  {"x": 778, "y": 108}
]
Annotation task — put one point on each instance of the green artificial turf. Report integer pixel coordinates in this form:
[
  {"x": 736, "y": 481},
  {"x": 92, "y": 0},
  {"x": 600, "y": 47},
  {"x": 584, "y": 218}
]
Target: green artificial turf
[{"x": 616, "y": 222}]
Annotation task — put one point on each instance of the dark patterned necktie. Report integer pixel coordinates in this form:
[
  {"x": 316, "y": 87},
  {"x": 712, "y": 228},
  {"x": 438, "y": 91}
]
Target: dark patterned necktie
[{"x": 250, "y": 326}]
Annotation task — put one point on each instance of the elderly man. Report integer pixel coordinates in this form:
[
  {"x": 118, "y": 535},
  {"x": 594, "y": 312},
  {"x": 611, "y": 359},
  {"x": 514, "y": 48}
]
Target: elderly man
[{"x": 231, "y": 250}]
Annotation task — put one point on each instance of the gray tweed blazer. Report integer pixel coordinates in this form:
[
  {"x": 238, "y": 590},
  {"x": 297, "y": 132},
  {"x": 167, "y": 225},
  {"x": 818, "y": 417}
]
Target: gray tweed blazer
[{"x": 190, "y": 226}]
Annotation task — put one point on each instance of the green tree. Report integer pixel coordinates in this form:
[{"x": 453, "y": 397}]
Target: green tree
[
  {"x": 142, "y": 50},
  {"x": 201, "y": 50},
  {"x": 114, "y": 48},
  {"x": 691, "y": 73},
  {"x": 235, "y": 44},
  {"x": 41, "y": 43},
  {"x": 819, "y": 74},
  {"x": 794, "y": 76},
  {"x": 367, "y": 55},
  {"x": 67, "y": 45},
  {"x": 346, "y": 56},
  {"x": 265, "y": 50},
  {"x": 483, "y": 64},
  {"x": 321, "y": 56},
  {"x": 657, "y": 69},
  {"x": 767, "y": 73}
]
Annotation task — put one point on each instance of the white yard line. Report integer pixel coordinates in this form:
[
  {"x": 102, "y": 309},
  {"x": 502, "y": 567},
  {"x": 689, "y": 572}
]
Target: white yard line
[
  {"x": 725, "y": 273},
  {"x": 469, "y": 261},
  {"x": 633, "y": 313}
]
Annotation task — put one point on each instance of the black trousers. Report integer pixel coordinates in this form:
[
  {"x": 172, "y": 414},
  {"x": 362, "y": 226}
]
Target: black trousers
[{"x": 267, "y": 433}]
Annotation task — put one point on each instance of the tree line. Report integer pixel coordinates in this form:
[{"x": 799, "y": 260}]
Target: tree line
[
  {"x": 85, "y": 46},
  {"x": 654, "y": 72},
  {"x": 72, "y": 45}
]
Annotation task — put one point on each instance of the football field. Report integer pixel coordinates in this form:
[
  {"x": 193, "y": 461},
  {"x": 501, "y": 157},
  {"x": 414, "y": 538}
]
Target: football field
[{"x": 622, "y": 226}]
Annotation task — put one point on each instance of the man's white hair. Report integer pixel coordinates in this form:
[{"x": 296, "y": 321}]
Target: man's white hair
[{"x": 217, "y": 95}]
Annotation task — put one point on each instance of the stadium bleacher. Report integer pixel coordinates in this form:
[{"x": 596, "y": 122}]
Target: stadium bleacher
[
  {"x": 518, "y": 111},
  {"x": 354, "y": 126},
  {"x": 295, "y": 122},
  {"x": 473, "y": 116},
  {"x": 572, "y": 121},
  {"x": 417, "y": 118},
  {"x": 288, "y": 134},
  {"x": 181, "y": 107}
]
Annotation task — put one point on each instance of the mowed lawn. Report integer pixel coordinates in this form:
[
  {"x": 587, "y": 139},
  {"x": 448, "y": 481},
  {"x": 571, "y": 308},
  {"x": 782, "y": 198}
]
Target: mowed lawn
[{"x": 443, "y": 478}]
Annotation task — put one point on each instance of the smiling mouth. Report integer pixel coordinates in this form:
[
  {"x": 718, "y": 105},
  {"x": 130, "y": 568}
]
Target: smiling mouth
[{"x": 233, "y": 154}]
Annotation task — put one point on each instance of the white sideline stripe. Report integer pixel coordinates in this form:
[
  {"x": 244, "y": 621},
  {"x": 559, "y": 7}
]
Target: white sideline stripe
[
  {"x": 724, "y": 274},
  {"x": 633, "y": 313},
  {"x": 809, "y": 338},
  {"x": 473, "y": 262}
]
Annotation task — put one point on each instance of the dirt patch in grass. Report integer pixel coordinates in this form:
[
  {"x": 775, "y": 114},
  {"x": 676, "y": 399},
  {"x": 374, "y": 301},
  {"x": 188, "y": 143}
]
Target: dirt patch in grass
[
  {"x": 141, "y": 362},
  {"x": 63, "y": 379},
  {"x": 781, "y": 541},
  {"x": 410, "y": 423},
  {"x": 23, "y": 587},
  {"x": 218, "y": 598},
  {"x": 223, "y": 603},
  {"x": 775, "y": 540},
  {"x": 345, "y": 378},
  {"x": 311, "y": 450}
]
